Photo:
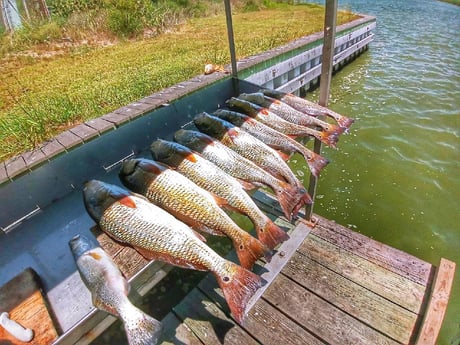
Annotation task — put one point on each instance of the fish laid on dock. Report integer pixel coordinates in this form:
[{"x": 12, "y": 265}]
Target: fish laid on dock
[
  {"x": 241, "y": 168},
  {"x": 156, "y": 234},
  {"x": 288, "y": 113},
  {"x": 249, "y": 147},
  {"x": 273, "y": 138},
  {"x": 210, "y": 177},
  {"x": 109, "y": 291},
  {"x": 190, "y": 203},
  {"x": 272, "y": 120},
  {"x": 309, "y": 108}
]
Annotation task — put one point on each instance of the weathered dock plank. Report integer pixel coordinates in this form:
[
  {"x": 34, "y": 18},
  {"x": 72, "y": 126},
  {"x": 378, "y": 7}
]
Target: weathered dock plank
[
  {"x": 389, "y": 285},
  {"x": 388, "y": 257},
  {"x": 355, "y": 300},
  {"x": 320, "y": 317},
  {"x": 177, "y": 332}
]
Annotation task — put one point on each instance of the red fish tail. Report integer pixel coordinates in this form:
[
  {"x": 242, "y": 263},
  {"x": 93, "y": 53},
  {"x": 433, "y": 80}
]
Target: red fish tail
[
  {"x": 345, "y": 122},
  {"x": 315, "y": 162},
  {"x": 271, "y": 234},
  {"x": 288, "y": 197},
  {"x": 335, "y": 129},
  {"x": 250, "y": 249},
  {"x": 239, "y": 286},
  {"x": 330, "y": 138}
]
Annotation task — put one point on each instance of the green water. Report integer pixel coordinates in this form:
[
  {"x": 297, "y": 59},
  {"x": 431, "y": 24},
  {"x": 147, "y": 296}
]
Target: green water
[{"x": 395, "y": 177}]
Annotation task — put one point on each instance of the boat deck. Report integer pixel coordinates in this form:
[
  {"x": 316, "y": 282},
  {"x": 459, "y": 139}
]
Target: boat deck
[{"x": 326, "y": 285}]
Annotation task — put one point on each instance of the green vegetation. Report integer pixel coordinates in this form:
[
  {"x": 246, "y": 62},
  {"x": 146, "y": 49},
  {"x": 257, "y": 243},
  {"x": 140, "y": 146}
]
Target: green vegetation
[
  {"x": 48, "y": 87},
  {"x": 454, "y": 2}
]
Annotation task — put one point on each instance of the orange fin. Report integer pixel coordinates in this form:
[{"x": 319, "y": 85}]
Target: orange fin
[
  {"x": 329, "y": 138},
  {"x": 345, "y": 122},
  {"x": 247, "y": 185},
  {"x": 271, "y": 234},
  {"x": 128, "y": 202},
  {"x": 315, "y": 162},
  {"x": 250, "y": 249},
  {"x": 151, "y": 255},
  {"x": 239, "y": 285}
]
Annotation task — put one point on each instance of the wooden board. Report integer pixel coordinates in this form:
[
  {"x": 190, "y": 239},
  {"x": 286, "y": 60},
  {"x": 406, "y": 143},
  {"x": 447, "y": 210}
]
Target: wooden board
[{"x": 22, "y": 298}]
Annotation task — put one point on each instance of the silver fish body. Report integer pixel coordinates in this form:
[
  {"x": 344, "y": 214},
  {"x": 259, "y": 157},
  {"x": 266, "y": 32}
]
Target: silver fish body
[
  {"x": 240, "y": 167},
  {"x": 309, "y": 108},
  {"x": 109, "y": 291},
  {"x": 273, "y": 138},
  {"x": 274, "y": 121},
  {"x": 289, "y": 113},
  {"x": 132, "y": 219}
]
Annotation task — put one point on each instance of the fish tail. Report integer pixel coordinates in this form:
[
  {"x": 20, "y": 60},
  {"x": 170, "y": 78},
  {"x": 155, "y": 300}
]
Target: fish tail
[
  {"x": 315, "y": 161},
  {"x": 140, "y": 328},
  {"x": 238, "y": 285},
  {"x": 250, "y": 249},
  {"x": 271, "y": 234},
  {"x": 345, "y": 122},
  {"x": 288, "y": 197},
  {"x": 330, "y": 138},
  {"x": 337, "y": 130}
]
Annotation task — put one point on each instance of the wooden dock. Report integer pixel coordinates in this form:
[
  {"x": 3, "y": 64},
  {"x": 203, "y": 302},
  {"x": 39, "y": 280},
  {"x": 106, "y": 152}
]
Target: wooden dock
[{"x": 326, "y": 285}]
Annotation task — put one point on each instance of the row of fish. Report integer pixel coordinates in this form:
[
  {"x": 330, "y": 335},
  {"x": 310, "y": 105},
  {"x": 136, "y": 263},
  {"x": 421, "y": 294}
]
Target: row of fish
[{"x": 187, "y": 186}]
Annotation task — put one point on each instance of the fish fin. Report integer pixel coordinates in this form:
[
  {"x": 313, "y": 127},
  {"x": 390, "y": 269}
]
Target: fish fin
[
  {"x": 271, "y": 234},
  {"x": 140, "y": 328},
  {"x": 128, "y": 202},
  {"x": 329, "y": 138},
  {"x": 222, "y": 202},
  {"x": 284, "y": 156},
  {"x": 315, "y": 162},
  {"x": 250, "y": 249},
  {"x": 335, "y": 129},
  {"x": 345, "y": 122},
  {"x": 239, "y": 285},
  {"x": 290, "y": 197}
]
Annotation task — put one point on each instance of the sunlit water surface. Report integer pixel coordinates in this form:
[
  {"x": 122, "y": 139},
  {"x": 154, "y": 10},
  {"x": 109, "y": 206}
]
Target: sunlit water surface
[{"x": 396, "y": 176}]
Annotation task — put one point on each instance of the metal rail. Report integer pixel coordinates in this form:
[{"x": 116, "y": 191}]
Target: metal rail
[{"x": 325, "y": 84}]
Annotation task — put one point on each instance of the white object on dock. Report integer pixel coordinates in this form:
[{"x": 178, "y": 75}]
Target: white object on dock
[{"x": 15, "y": 329}]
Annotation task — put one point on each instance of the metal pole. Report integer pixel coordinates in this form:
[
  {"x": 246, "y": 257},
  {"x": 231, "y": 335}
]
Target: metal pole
[
  {"x": 231, "y": 42},
  {"x": 325, "y": 83}
]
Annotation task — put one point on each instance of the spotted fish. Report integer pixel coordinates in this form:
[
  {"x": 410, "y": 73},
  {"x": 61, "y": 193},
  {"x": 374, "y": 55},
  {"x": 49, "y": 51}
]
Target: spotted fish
[
  {"x": 190, "y": 203},
  {"x": 109, "y": 291},
  {"x": 241, "y": 168},
  {"x": 309, "y": 108},
  {"x": 210, "y": 177},
  {"x": 132, "y": 219},
  {"x": 272, "y": 120},
  {"x": 273, "y": 138}
]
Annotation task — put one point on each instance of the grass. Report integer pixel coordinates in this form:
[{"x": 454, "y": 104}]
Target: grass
[{"x": 40, "y": 97}]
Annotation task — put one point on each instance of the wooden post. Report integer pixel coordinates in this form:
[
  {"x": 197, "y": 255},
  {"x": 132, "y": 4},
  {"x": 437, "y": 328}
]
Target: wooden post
[
  {"x": 325, "y": 83},
  {"x": 231, "y": 42}
]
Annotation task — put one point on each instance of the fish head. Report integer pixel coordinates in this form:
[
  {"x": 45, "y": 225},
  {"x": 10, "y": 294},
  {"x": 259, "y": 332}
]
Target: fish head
[
  {"x": 194, "y": 140},
  {"x": 211, "y": 125},
  {"x": 98, "y": 196},
  {"x": 248, "y": 108},
  {"x": 79, "y": 245},
  {"x": 169, "y": 152},
  {"x": 231, "y": 116},
  {"x": 137, "y": 174}
]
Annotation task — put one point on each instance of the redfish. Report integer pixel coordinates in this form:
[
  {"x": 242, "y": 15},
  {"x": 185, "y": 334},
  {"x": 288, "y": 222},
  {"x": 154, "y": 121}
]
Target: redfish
[
  {"x": 273, "y": 138},
  {"x": 272, "y": 120},
  {"x": 241, "y": 168},
  {"x": 211, "y": 178},
  {"x": 247, "y": 146},
  {"x": 309, "y": 108},
  {"x": 190, "y": 203},
  {"x": 109, "y": 292},
  {"x": 289, "y": 113},
  {"x": 132, "y": 219}
]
